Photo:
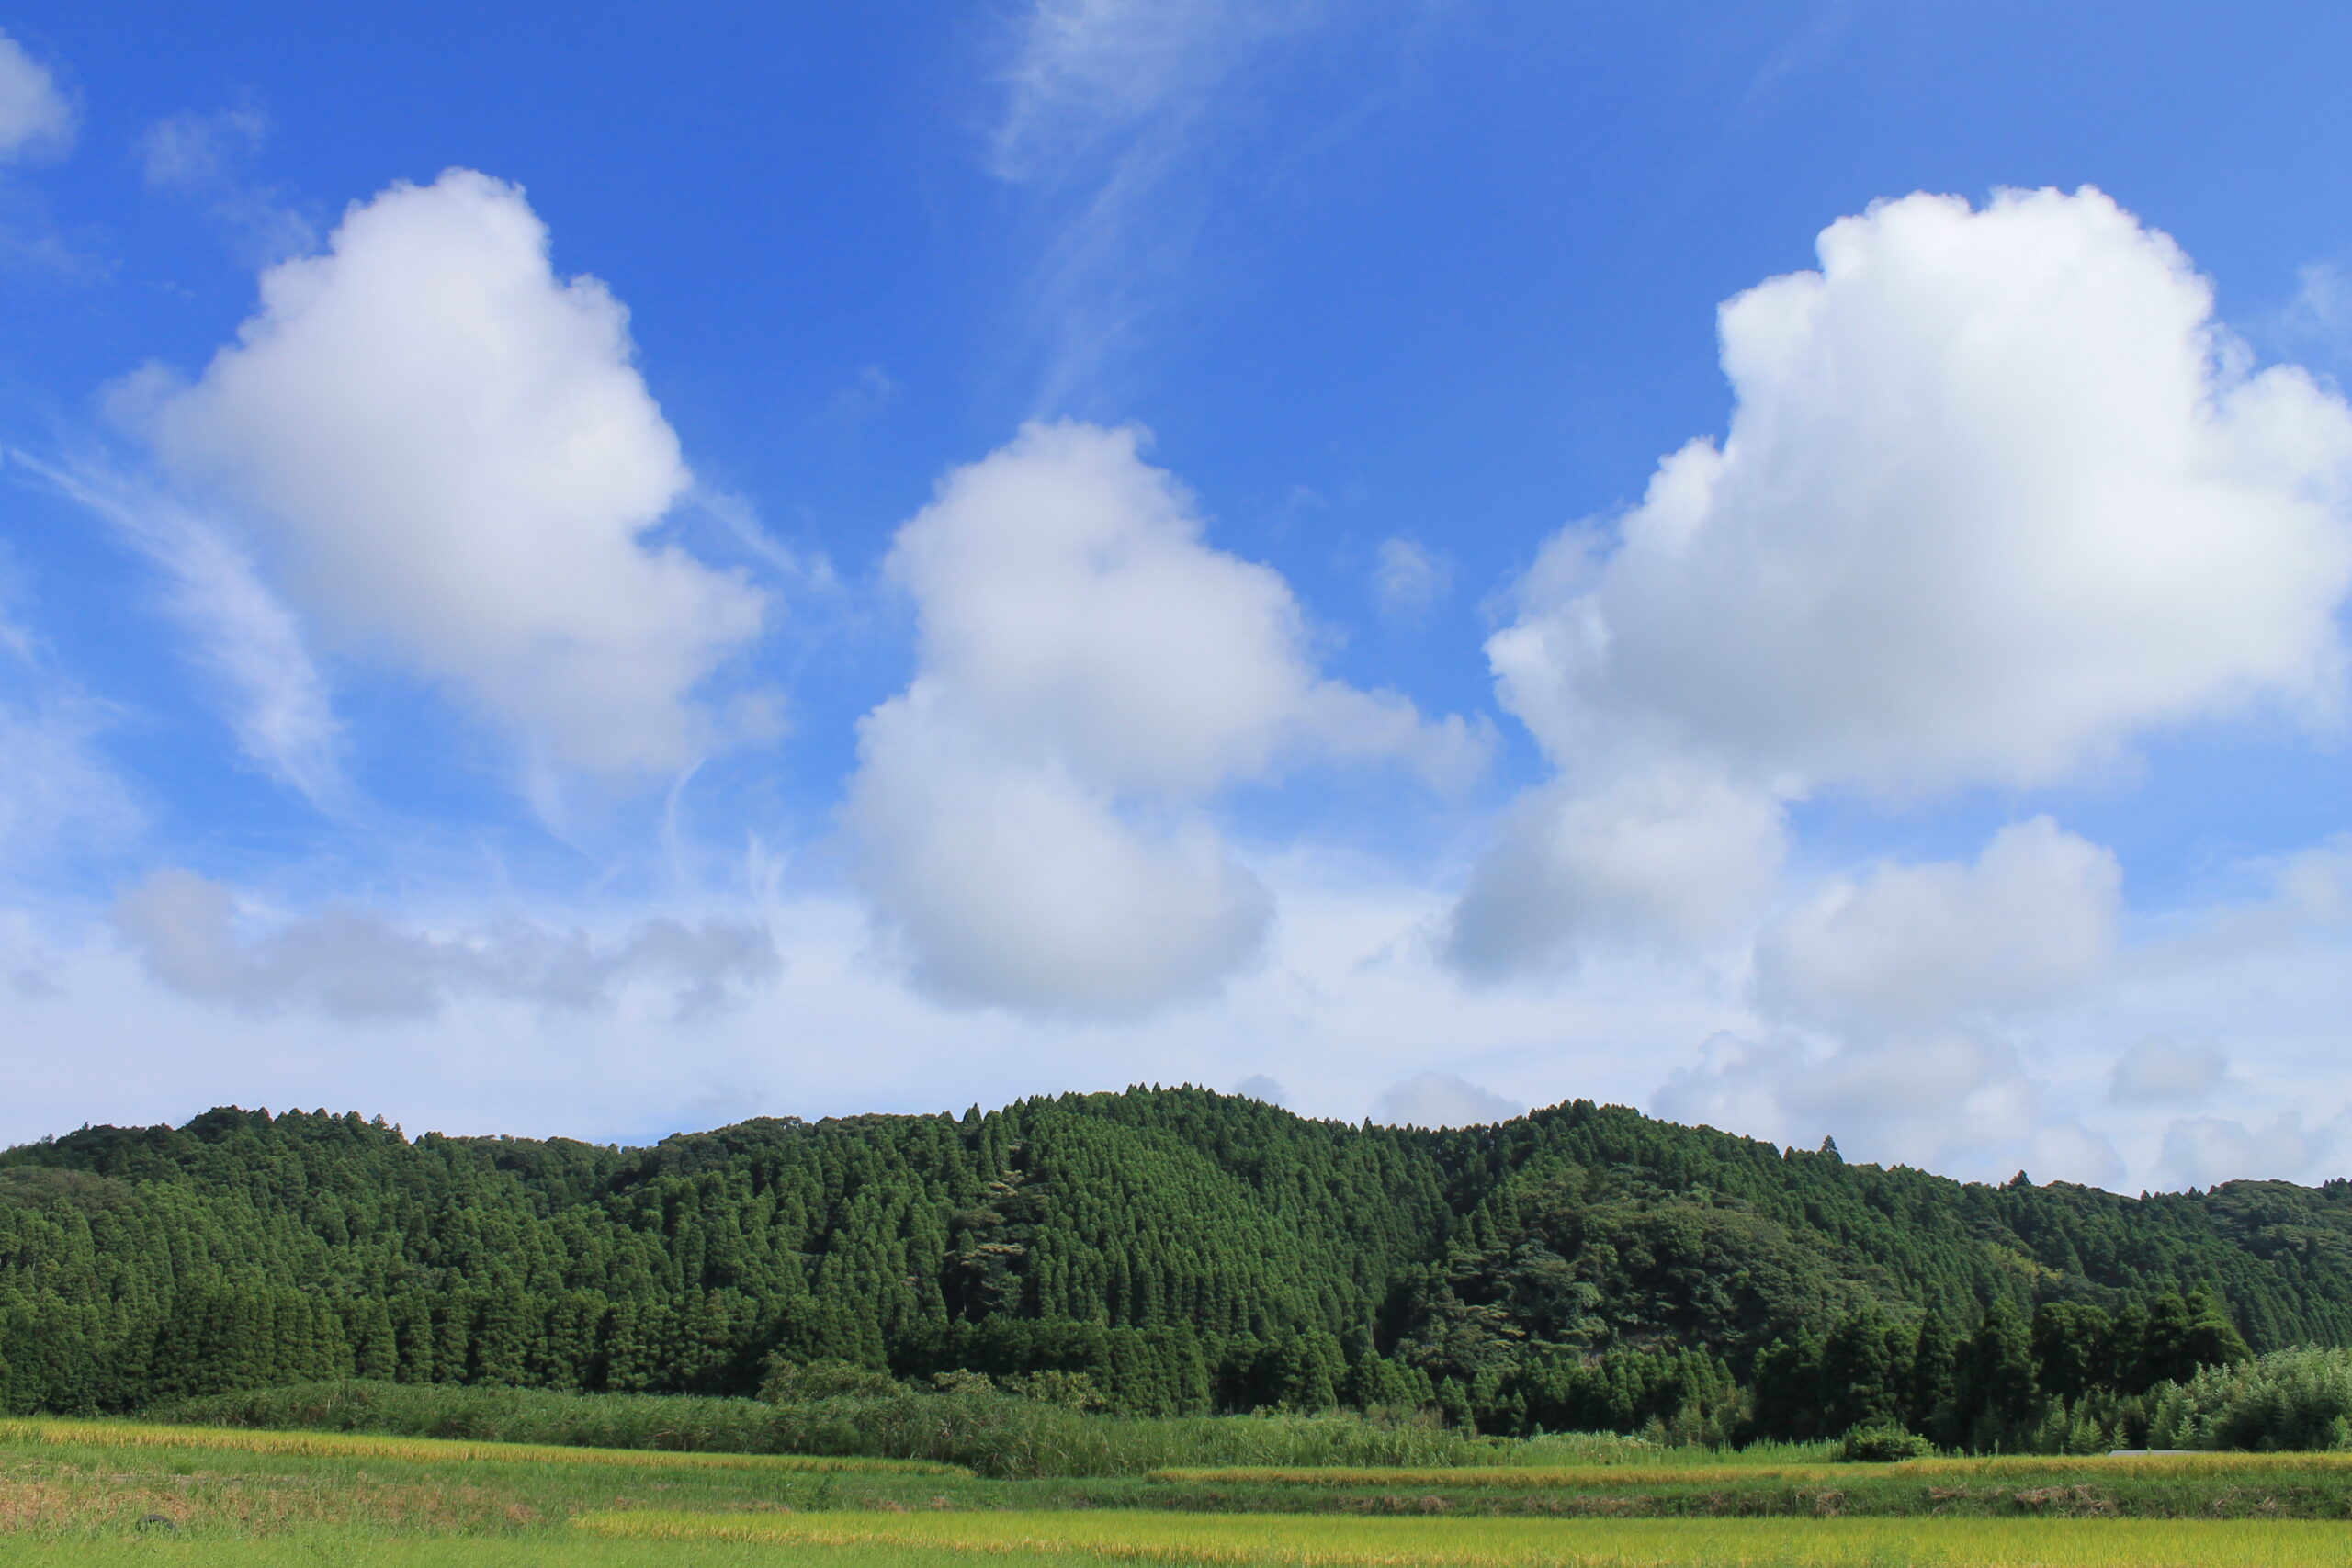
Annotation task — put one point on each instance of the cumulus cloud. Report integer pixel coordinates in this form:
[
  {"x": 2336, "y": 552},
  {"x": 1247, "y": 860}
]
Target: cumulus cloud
[
  {"x": 450, "y": 449},
  {"x": 2199, "y": 1151},
  {"x": 1885, "y": 998},
  {"x": 2032, "y": 919},
  {"x": 1664, "y": 857},
  {"x": 34, "y": 115},
  {"x": 1997, "y": 497},
  {"x": 192, "y": 935},
  {"x": 1028, "y": 815},
  {"x": 1944, "y": 1096},
  {"x": 1441, "y": 1100},
  {"x": 2166, "y": 1072}
]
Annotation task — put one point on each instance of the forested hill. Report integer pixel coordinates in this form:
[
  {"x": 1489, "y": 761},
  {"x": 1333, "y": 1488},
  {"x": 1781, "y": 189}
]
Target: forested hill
[{"x": 1187, "y": 1250}]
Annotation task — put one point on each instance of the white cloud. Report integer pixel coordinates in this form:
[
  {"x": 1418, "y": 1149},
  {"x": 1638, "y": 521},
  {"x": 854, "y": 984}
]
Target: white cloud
[
  {"x": 1084, "y": 72},
  {"x": 2200, "y": 1151},
  {"x": 2032, "y": 920},
  {"x": 1997, "y": 497},
  {"x": 2158, "y": 1071},
  {"x": 1258, "y": 1086},
  {"x": 2316, "y": 884},
  {"x": 59, "y": 795},
  {"x": 1019, "y": 883},
  {"x": 191, "y": 935},
  {"x": 1109, "y": 108},
  {"x": 195, "y": 151},
  {"x": 1027, "y": 814},
  {"x": 1409, "y": 577},
  {"x": 56, "y": 792},
  {"x": 1441, "y": 1100},
  {"x": 1663, "y": 858},
  {"x": 453, "y": 452},
  {"x": 1881, "y": 999},
  {"x": 2322, "y": 308},
  {"x": 284, "y": 717},
  {"x": 203, "y": 156},
  {"x": 34, "y": 115},
  {"x": 1994, "y": 500},
  {"x": 2068, "y": 1150},
  {"x": 1344, "y": 1005},
  {"x": 1945, "y": 1097}
]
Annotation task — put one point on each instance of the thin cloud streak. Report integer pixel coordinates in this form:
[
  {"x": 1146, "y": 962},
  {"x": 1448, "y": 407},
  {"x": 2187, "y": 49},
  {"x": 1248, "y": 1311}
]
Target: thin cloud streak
[{"x": 281, "y": 711}]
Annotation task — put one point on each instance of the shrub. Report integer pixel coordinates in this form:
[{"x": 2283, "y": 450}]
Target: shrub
[
  {"x": 1882, "y": 1445},
  {"x": 798, "y": 1382}
]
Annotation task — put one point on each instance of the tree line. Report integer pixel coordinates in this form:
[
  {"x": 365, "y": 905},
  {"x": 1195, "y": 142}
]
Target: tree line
[{"x": 1580, "y": 1267}]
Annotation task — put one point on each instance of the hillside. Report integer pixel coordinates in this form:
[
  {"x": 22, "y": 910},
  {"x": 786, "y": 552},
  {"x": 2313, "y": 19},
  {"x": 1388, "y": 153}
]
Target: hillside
[{"x": 1580, "y": 1266}]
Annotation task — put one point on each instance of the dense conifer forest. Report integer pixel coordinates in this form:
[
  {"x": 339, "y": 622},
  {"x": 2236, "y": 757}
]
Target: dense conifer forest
[{"x": 1167, "y": 1250}]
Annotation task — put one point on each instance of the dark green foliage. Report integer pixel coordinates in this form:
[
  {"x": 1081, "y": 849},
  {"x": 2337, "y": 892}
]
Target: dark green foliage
[
  {"x": 1161, "y": 1253},
  {"x": 1882, "y": 1445}
]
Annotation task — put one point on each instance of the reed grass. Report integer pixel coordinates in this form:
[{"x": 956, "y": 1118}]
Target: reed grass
[{"x": 994, "y": 1434}]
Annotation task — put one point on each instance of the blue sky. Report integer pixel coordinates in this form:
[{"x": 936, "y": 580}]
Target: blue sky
[{"x": 601, "y": 573}]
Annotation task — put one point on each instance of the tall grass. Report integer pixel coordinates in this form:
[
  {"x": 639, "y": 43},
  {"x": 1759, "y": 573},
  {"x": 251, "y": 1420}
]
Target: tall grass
[
  {"x": 2286, "y": 1400},
  {"x": 995, "y": 1434},
  {"x": 1349, "y": 1542}
]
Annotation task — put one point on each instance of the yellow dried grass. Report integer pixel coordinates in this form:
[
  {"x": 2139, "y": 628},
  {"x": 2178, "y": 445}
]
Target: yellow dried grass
[{"x": 425, "y": 1450}]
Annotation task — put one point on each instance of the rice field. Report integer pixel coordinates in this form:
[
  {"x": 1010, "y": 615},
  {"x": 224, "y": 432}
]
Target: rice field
[
  {"x": 1323, "y": 1542},
  {"x": 95, "y": 1493}
]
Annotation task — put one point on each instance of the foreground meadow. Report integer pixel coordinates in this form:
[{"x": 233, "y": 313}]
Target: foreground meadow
[
  {"x": 101, "y": 1492},
  {"x": 1325, "y": 1542}
]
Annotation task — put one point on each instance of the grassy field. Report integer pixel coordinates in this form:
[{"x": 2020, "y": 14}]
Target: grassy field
[
  {"x": 425, "y": 1450},
  {"x": 1677, "y": 1471},
  {"x": 106, "y": 1492},
  {"x": 1512, "y": 1543}
]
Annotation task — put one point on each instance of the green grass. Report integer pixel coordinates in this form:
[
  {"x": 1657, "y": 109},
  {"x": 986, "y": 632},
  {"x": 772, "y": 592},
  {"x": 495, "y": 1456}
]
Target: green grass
[
  {"x": 344, "y": 1548},
  {"x": 991, "y": 1433},
  {"x": 1703, "y": 1469},
  {"x": 75, "y": 1493},
  {"x": 1508, "y": 1544}
]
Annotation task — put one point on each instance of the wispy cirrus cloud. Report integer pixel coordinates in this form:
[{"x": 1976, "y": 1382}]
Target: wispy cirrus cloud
[
  {"x": 1105, "y": 102},
  {"x": 205, "y": 158},
  {"x": 246, "y": 636}
]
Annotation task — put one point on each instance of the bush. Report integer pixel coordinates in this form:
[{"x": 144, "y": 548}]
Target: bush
[
  {"x": 792, "y": 1382},
  {"x": 2286, "y": 1400},
  {"x": 1882, "y": 1445}
]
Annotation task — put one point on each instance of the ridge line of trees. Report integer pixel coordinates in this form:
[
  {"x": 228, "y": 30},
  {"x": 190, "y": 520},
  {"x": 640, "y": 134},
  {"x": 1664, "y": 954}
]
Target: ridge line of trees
[{"x": 1580, "y": 1267}]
